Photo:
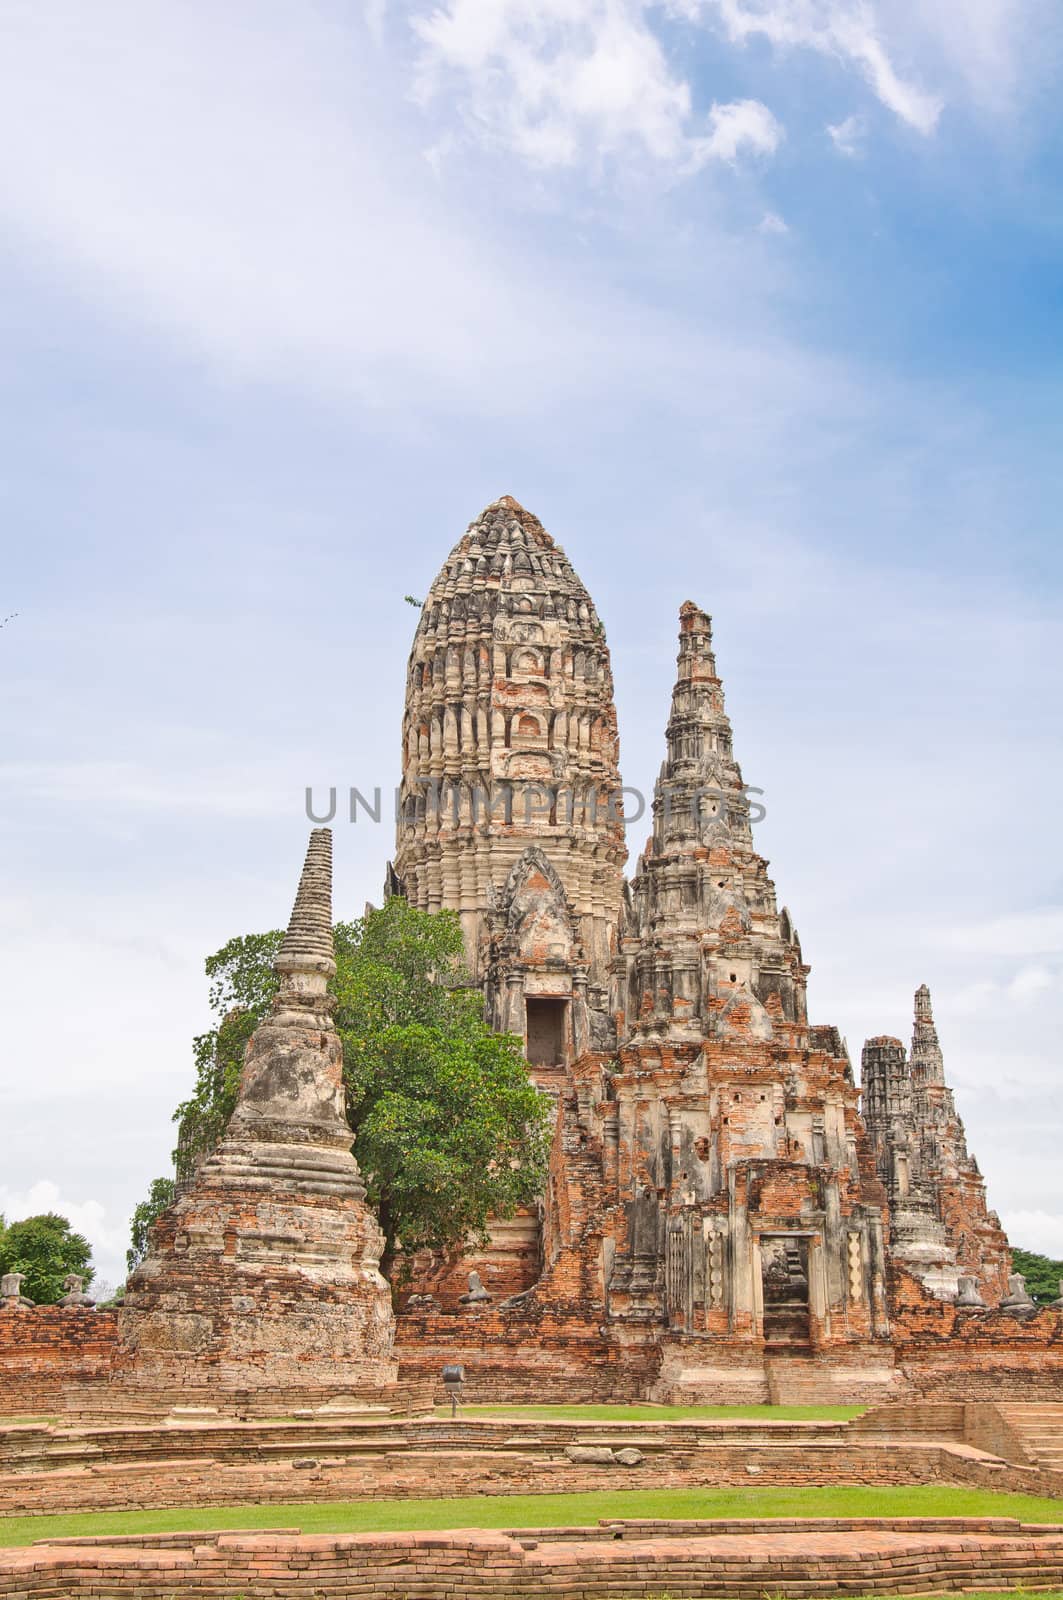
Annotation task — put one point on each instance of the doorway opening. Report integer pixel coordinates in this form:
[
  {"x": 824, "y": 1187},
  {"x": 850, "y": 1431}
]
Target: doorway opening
[
  {"x": 784, "y": 1272},
  {"x": 545, "y": 1031}
]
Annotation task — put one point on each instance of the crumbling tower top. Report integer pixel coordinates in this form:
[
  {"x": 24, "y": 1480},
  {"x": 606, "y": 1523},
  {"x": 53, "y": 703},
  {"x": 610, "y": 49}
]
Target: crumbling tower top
[
  {"x": 928, "y": 1066},
  {"x": 308, "y": 945}
]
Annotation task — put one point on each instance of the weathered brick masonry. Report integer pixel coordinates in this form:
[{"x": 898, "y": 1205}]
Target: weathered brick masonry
[
  {"x": 265, "y": 1271},
  {"x": 617, "y": 1560},
  {"x": 335, "y": 1453},
  {"x": 727, "y": 1215},
  {"x": 44, "y": 1350}
]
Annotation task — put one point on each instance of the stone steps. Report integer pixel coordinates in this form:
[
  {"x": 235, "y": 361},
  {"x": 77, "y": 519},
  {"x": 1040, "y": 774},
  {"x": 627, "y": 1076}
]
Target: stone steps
[{"x": 1038, "y": 1426}]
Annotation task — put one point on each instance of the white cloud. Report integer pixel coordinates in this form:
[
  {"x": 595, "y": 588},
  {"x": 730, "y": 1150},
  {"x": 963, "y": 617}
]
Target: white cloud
[
  {"x": 559, "y": 81},
  {"x": 237, "y": 181},
  {"x": 742, "y": 126},
  {"x": 847, "y": 136},
  {"x": 994, "y": 52},
  {"x": 846, "y": 29},
  {"x": 771, "y": 222}
]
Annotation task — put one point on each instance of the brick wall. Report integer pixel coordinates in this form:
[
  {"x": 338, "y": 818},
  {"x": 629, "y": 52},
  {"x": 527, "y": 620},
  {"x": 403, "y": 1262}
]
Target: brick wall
[
  {"x": 47, "y": 1348},
  {"x": 650, "y": 1558},
  {"x": 948, "y": 1353}
]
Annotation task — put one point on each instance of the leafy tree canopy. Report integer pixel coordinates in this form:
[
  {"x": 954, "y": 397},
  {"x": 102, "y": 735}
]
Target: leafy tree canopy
[
  {"x": 1042, "y": 1275},
  {"x": 45, "y": 1249},
  {"x": 160, "y": 1195},
  {"x": 448, "y": 1130}
]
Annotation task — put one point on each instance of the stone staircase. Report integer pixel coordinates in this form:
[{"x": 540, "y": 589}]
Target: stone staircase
[{"x": 1038, "y": 1427}]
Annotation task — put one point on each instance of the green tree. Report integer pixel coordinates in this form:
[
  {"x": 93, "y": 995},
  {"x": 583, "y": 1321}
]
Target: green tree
[
  {"x": 160, "y": 1195},
  {"x": 1042, "y": 1275},
  {"x": 448, "y": 1129},
  {"x": 242, "y": 984},
  {"x": 45, "y": 1249}
]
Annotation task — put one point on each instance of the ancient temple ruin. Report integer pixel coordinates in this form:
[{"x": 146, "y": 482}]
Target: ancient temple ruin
[
  {"x": 717, "y": 1194},
  {"x": 939, "y": 1226},
  {"x": 265, "y": 1271}
]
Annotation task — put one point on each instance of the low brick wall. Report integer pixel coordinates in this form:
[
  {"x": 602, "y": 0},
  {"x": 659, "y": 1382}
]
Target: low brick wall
[
  {"x": 45, "y": 1349},
  {"x": 427, "y": 1473},
  {"x": 948, "y": 1353},
  {"x": 616, "y": 1561},
  {"x": 114, "y": 1401},
  {"x": 544, "y": 1357}
]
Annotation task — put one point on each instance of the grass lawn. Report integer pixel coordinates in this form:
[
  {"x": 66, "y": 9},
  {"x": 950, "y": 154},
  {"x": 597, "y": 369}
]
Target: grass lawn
[
  {"x": 547, "y": 1510},
  {"x": 649, "y": 1413}
]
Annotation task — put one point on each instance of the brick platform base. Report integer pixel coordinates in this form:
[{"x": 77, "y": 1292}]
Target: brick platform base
[
  {"x": 621, "y": 1561},
  {"x": 193, "y": 1461}
]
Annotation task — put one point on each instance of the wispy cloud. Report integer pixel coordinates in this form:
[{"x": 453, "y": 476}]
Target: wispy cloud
[
  {"x": 848, "y": 30},
  {"x": 560, "y": 81},
  {"x": 241, "y": 191},
  {"x": 848, "y": 135}
]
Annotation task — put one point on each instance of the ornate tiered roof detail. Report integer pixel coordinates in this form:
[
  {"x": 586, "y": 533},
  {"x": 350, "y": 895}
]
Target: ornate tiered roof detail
[{"x": 510, "y": 741}]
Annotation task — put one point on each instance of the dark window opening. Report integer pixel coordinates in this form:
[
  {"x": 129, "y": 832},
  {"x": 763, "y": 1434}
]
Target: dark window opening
[{"x": 546, "y": 1031}]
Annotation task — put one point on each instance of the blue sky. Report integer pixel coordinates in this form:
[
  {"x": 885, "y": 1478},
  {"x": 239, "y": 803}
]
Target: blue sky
[{"x": 756, "y": 302}]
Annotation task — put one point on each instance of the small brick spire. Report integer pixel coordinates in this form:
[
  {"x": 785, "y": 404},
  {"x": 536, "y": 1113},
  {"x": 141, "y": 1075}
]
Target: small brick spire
[
  {"x": 927, "y": 1063},
  {"x": 698, "y": 729},
  {"x": 308, "y": 945}
]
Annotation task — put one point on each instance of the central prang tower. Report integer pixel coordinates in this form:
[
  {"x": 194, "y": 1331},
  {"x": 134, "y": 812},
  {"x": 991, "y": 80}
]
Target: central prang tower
[{"x": 510, "y": 800}]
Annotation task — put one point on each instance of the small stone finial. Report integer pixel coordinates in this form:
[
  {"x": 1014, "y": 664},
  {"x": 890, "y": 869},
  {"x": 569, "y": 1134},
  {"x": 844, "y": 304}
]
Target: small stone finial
[
  {"x": 923, "y": 1010},
  {"x": 308, "y": 945},
  {"x": 11, "y": 1292},
  {"x": 477, "y": 1294}
]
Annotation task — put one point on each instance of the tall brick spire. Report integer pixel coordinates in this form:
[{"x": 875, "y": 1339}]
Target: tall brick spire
[
  {"x": 291, "y": 1086},
  {"x": 713, "y": 947},
  {"x": 926, "y": 1059},
  {"x": 265, "y": 1271},
  {"x": 308, "y": 945},
  {"x": 700, "y": 749}
]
